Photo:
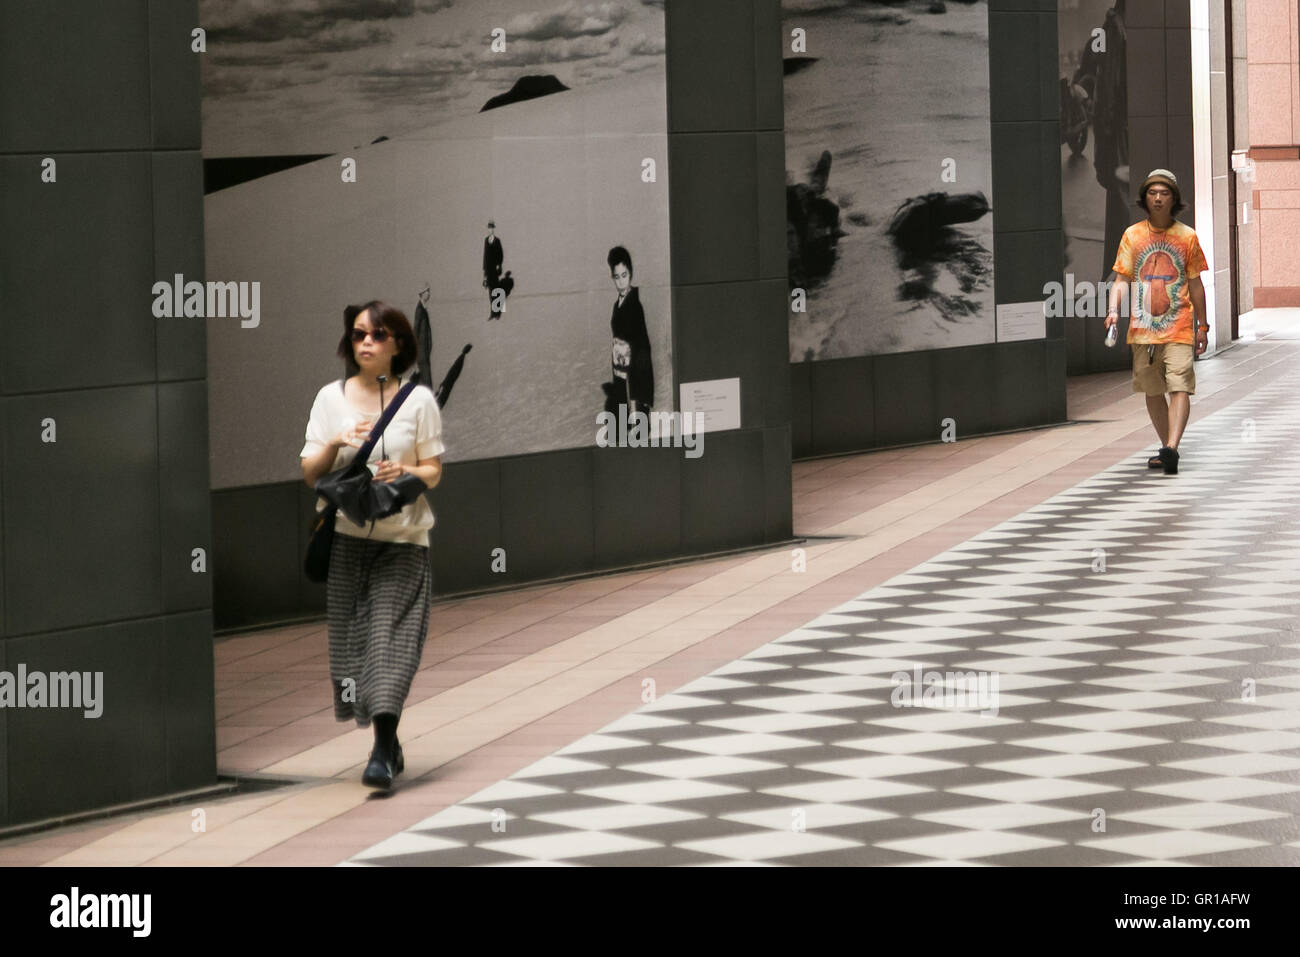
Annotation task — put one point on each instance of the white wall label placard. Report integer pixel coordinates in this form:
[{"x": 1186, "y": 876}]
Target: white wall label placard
[
  {"x": 1021, "y": 320},
  {"x": 715, "y": 404}
]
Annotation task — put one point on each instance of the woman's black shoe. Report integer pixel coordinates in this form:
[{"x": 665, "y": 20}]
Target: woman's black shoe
[
  {"x": 399, "y": 762},
  {"x": 1154, "y": 462},
  {"x": 1169, "y": 459},
  {"x": 379, "y": 772}
]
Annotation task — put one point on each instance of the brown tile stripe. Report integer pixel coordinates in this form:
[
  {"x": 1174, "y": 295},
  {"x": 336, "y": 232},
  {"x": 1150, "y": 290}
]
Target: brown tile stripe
[
  {"x": 1272, "y": 297},
  {"x": 1273, "y": 153}
]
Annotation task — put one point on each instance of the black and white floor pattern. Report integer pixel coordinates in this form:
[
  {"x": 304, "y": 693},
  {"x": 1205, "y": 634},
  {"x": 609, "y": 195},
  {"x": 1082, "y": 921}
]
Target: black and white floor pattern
[{"x": 1142, "y": 633}]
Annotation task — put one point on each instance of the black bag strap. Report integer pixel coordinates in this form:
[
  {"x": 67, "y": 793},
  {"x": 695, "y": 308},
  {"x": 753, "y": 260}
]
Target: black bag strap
[{"x": 363, "y": 453}]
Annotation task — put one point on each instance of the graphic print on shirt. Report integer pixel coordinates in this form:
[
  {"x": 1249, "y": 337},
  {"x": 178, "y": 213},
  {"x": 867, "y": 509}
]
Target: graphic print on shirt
[
  {"x": 1160, "y": 267},
  {"x": 1161, "y": 276}
]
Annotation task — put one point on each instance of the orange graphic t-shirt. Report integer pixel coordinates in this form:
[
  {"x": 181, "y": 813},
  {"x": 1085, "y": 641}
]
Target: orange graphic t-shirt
[{"x": 1158, "y": 263}]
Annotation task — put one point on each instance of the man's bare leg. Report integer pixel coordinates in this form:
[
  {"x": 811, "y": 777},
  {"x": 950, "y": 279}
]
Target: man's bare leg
[
  {"x": 1180, "y": 409},
  {"x": 1158, "y": 409}
]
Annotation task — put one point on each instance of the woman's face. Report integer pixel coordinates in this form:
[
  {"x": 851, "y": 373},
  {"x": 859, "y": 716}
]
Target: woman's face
[
  {"x": 372, "y": 356},
  {"x": 622, "y": 277}
]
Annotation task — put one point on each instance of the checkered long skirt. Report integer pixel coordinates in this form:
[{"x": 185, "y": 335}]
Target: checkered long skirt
[{"x": 378, "y": 598}]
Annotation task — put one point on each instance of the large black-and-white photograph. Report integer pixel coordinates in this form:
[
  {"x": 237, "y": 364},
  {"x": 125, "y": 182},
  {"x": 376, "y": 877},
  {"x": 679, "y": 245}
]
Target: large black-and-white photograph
[
  {"x": 888, "y": 176},
  {"x": 1095, "y": 205},
  {"x": 496, "y": 169}
]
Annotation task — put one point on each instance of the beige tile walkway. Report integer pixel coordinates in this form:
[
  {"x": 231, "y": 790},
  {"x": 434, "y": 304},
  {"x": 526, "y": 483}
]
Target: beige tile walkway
[{"x": 509, "y": 678}]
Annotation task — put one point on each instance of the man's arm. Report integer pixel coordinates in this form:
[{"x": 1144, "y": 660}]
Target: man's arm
[{"x": 1118, "y": 295}]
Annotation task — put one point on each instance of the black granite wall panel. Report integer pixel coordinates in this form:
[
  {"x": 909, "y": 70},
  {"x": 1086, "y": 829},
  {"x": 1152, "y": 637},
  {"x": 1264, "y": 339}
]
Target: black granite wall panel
[
  {"x": 190, "y": 700},
  {"x": 548, "y": 515},
  {"x": 467, "y": 516},
  {"x": 79, "y": 248},
  {"x": 76, "y": 75},
  {"x": 106, "y": 551},
  {"x": 178, "y": 248},
  {"x": 60, "y": 759},
  {"x": 724, "y": 507},
  {"x": 258, "y": 544},
  {"x": 843, "y": 405},
  {"x": 81, "y": 512},
  {"x": 185, "y": 519},
  {"x": 961, "y": 381},
  {"x": 623, "y": 481}
]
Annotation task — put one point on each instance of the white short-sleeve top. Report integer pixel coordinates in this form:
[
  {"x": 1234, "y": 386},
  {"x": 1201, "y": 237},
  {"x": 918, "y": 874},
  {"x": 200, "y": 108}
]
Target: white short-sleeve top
[{"x": 415, "y": 433}]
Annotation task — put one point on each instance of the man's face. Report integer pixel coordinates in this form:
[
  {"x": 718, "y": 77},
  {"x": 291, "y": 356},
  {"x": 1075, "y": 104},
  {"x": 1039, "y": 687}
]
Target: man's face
[{"x": 1159, "y": 198}]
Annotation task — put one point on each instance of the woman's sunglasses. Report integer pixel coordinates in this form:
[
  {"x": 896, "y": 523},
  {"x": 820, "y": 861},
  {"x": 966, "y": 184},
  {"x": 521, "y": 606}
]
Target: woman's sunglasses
[{"x": 378, "y": 335}]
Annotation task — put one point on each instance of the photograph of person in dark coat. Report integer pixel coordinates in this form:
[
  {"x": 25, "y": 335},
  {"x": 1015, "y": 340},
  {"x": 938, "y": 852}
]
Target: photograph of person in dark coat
[
  {"x": 1106, "y": 74},
  {"x": 493, "y": 258},
  {"x": 633, "y": 383}
]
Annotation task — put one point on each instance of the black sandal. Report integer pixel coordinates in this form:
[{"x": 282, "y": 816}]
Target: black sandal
[
  {"x": 1155, "y": 463},
  {"x": 1169, "y": 459}
]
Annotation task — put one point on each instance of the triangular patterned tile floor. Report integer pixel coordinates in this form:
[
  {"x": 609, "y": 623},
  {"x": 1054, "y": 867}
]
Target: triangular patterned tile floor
[
  {"x": 1142, "y": 629},
  {"x": 1112, "y": 673}
]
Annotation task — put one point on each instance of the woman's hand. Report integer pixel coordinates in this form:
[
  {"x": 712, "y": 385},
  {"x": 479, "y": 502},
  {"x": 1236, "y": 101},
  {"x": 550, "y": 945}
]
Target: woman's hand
[
  {"x": 354, "y": 436},
  {"x": 389, "y": 471}
]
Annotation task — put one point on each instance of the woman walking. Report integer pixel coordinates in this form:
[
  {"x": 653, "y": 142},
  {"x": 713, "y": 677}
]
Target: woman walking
[{"x": 380, "y": 585}]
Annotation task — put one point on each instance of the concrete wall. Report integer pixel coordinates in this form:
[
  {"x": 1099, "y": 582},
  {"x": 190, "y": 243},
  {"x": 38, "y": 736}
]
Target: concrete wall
[{"x": 98, "y": 528}]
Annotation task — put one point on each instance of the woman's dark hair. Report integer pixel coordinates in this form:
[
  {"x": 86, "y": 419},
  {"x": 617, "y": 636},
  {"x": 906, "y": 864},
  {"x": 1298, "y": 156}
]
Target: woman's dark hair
[
  {"x": 619, "y": 255},
  {"x": 381, "y": 314},
  {"x": 1178, "y": 204}
]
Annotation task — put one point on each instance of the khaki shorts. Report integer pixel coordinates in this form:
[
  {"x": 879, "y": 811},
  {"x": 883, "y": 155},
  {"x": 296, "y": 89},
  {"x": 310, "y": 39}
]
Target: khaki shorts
[{"x": 1169, "y": 369}]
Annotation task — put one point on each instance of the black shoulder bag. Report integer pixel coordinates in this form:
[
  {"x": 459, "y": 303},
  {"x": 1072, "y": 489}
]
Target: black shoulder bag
[{"x": 352, "y": 491}]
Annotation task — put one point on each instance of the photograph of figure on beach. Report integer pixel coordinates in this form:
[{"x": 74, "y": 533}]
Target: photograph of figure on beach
[
  {"x": 888, "y": 176},
  {"x": 477, "y": 160}
]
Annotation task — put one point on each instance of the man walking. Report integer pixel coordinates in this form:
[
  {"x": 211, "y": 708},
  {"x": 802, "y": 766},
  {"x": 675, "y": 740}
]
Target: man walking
[{"x": 1158, "y": 269}]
